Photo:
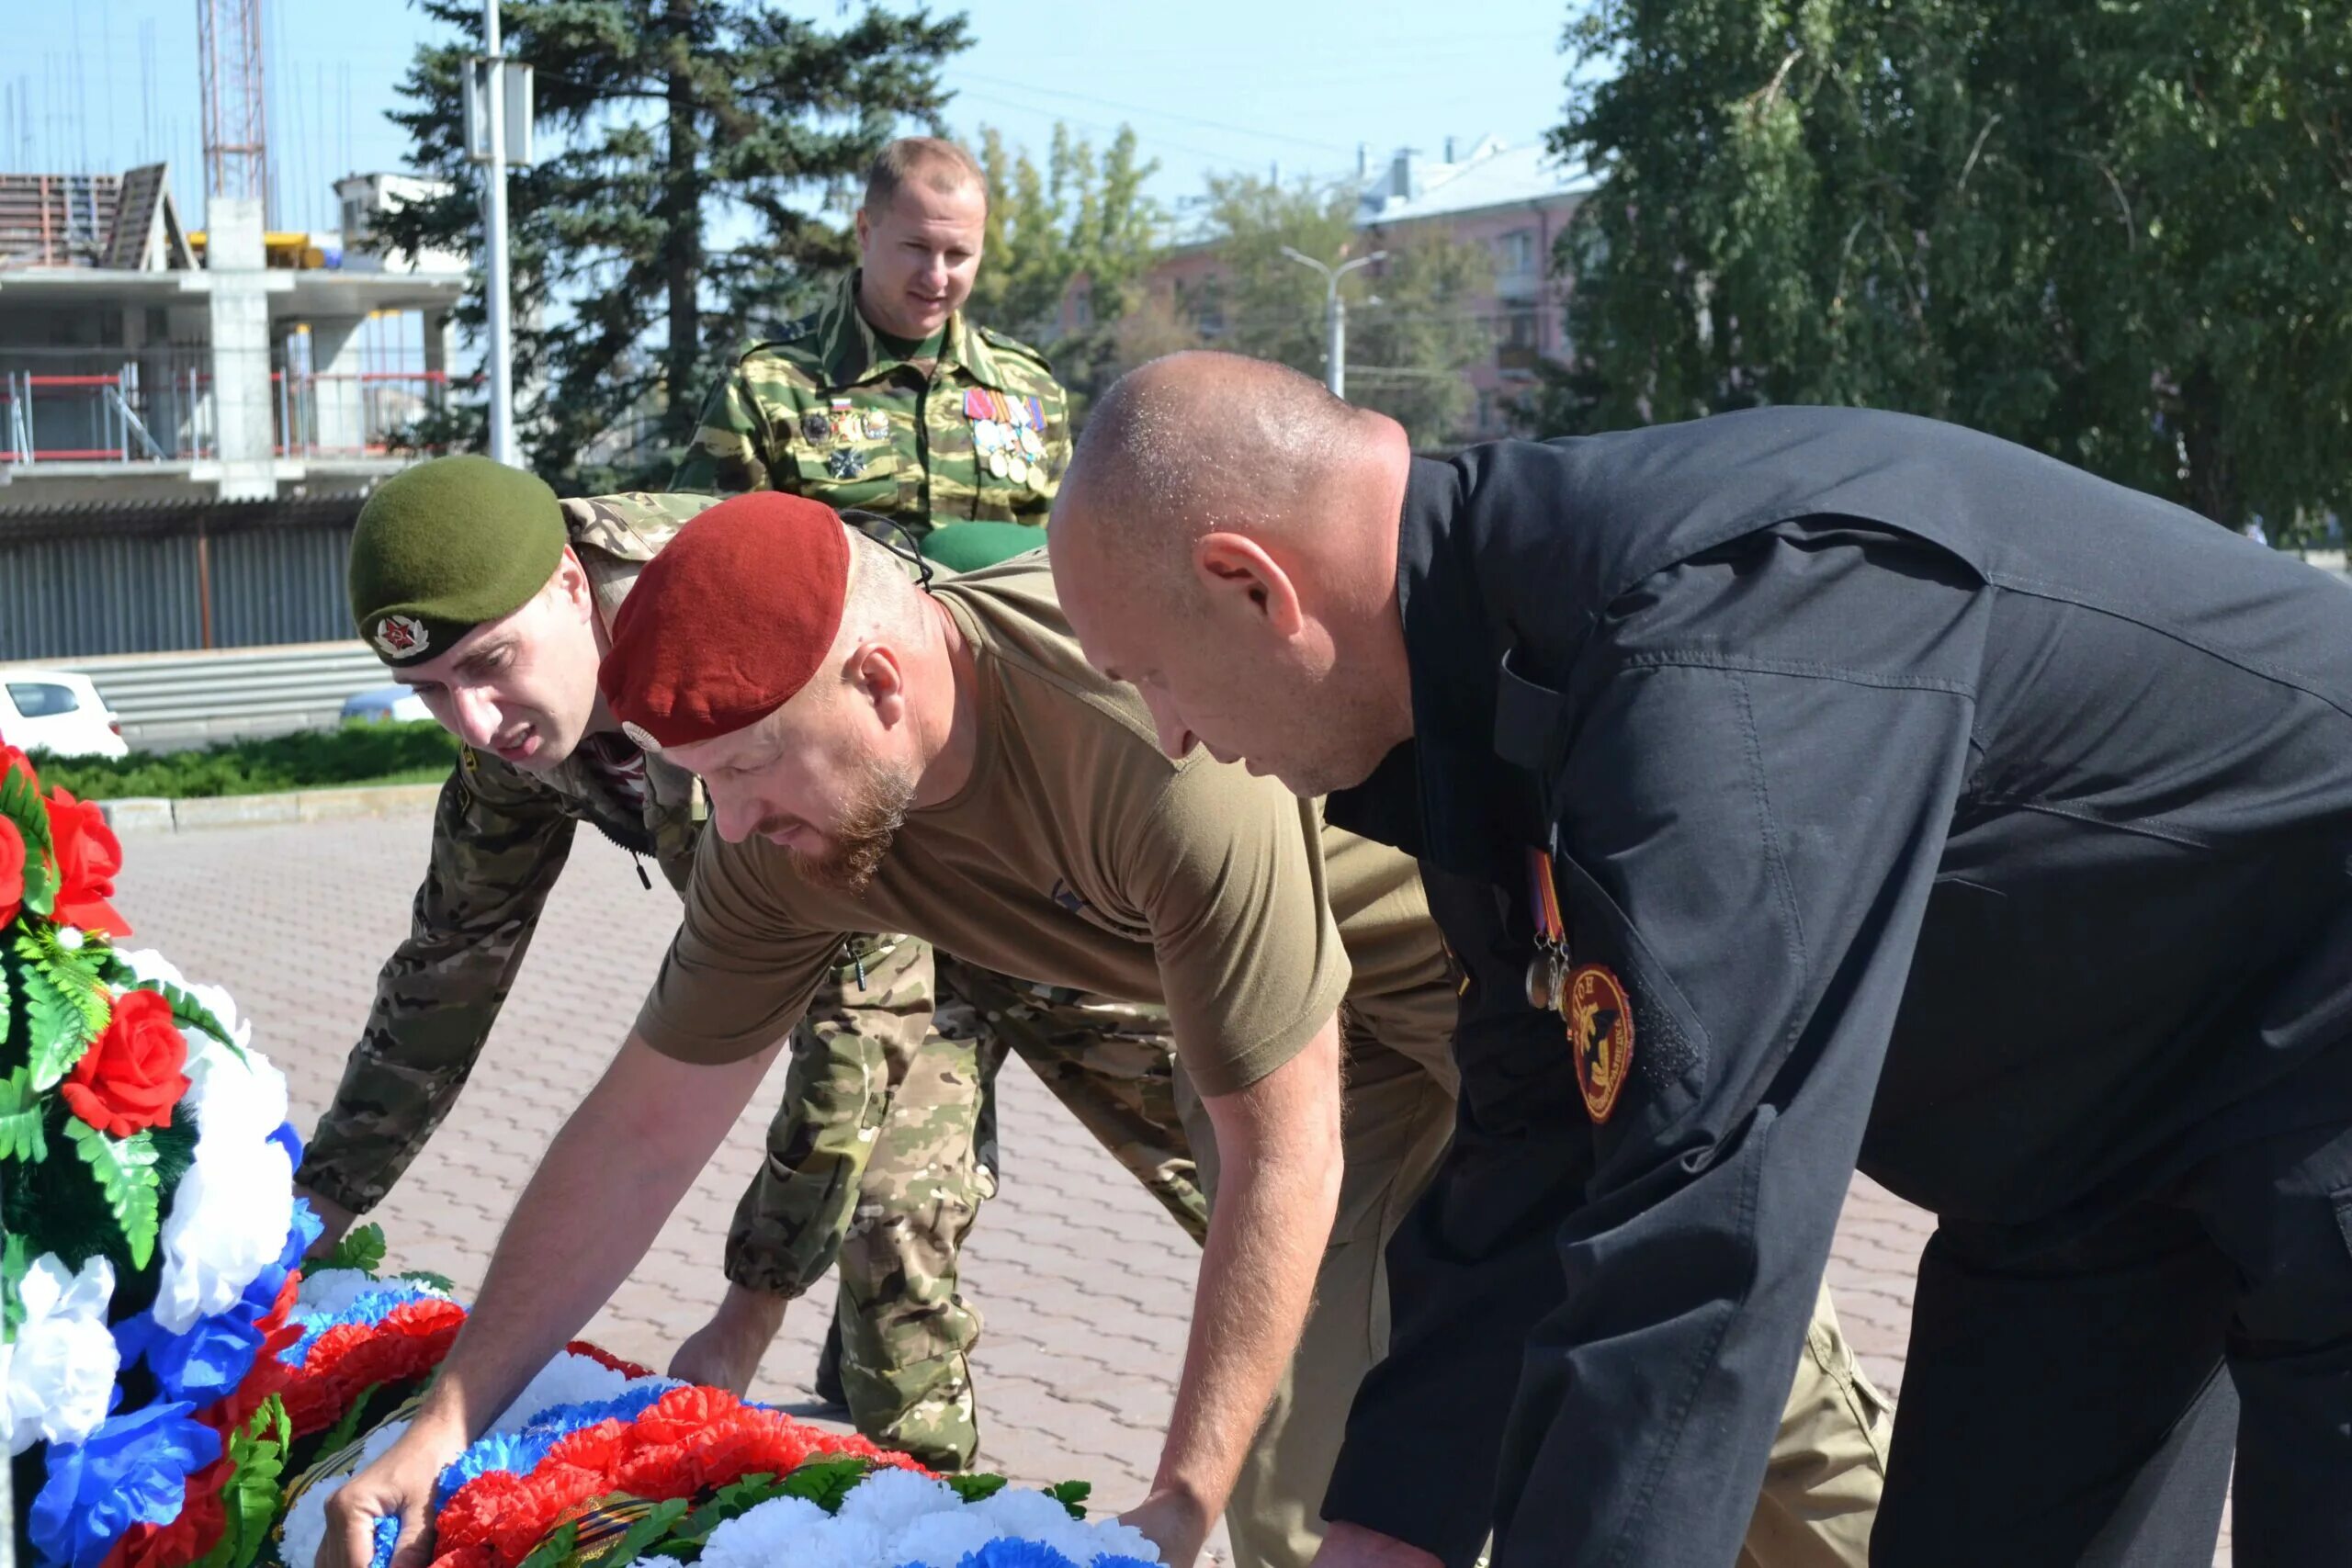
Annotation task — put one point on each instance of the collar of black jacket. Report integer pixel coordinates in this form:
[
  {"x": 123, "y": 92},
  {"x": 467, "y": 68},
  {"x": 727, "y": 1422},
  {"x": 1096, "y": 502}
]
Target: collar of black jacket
[{"x": 1445, "y": 797}]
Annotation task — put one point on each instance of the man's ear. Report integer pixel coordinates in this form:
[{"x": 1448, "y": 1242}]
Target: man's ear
[
  {"x": 865, "y": 230},
  {"x": 1235, "y": 569},
  {"x": 877, "y": 676},
  {"x": 572, "y": 581}
]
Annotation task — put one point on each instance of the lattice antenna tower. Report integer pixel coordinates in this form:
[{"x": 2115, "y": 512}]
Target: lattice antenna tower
[{"x": 236, "y": 133}]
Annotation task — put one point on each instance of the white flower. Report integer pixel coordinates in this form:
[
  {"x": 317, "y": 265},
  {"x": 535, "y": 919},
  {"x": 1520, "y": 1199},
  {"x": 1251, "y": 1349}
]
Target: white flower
[
  {"x": 229, "y": 1220},
  {"x": 234, "y": 1098},
  {"x": 890, "y": 1500},
  {"x": 782, "y": 1530},
  {"x": 69, "y": 938},
  {"x": 938, "y": 1540},
  {"x": 153, "y": 969},
  {"x": 1031, "y": 1516},
  {"x": 1107, "y": 1537},
  {"x": 306, "y": 1522},
  {"x": 569, "y": 1379},
  {"x": 57, "y": 1376},
  {"x": 332, "y": 1291}
]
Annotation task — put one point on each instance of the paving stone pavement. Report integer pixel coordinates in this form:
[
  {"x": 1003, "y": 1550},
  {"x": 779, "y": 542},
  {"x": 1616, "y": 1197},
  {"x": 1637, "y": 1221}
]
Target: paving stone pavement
[{"x": 1085, "y": 1285}]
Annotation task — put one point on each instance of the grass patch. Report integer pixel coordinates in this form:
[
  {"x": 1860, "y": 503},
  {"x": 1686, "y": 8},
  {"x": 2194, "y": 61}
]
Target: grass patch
[{"x": 357, "y": 754}]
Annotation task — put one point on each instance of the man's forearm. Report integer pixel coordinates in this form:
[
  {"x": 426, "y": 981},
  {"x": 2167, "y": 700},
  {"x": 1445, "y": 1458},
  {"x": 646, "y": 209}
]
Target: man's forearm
[
  {"x": 609, "y": 1179},
  {"x": 1268, "y": 1230}
]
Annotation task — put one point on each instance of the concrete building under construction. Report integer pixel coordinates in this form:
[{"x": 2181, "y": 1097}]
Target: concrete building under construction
[{"x": 140, "y": 361}]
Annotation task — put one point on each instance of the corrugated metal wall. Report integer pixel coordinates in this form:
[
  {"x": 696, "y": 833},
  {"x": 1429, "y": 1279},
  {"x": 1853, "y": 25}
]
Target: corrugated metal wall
[
  {"x": 79, "y": 582},
  {"x": 285, "y": 585}
]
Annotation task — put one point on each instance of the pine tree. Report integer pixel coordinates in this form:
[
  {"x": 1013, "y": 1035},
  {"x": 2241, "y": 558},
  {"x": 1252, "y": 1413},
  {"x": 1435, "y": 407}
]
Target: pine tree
[{"x": 697, "y": 160}]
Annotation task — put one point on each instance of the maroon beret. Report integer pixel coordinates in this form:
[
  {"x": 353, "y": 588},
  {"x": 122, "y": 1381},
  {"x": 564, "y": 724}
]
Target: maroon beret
[{"x": 734, "y": 615}]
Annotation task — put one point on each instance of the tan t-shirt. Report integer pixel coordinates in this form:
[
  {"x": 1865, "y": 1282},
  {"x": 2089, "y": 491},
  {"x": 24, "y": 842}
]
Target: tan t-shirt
[{"x": 1077, "y": 854}]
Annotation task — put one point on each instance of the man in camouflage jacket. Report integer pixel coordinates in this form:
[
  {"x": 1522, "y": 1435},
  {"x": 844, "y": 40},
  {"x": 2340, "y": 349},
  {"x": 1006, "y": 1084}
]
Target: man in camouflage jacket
[{"x": 878, "y": 1141}]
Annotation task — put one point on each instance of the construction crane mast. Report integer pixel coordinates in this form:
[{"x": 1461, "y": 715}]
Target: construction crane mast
[{"x": 236, "y": 133}]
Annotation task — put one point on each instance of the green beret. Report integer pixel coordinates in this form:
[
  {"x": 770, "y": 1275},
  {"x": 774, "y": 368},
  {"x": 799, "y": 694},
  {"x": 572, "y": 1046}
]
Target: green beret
[
  {"x": 967, "y": 547},
  {"x": 446, "y": 545}
]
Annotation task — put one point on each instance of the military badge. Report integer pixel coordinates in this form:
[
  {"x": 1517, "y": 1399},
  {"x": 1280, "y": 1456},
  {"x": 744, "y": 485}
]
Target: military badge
[
  {"x": 815, "y": 428},
  {"x": 1601, "y": 1033},
  {"x": 877, "y": 425},
  {"x": 844, "y": 462},
  {"x": 640, "y": 739},
  {"x": 401, "y": 636}
]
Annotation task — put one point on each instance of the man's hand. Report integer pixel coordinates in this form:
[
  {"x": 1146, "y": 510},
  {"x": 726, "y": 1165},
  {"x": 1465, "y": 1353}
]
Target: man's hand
[
  {"x": 333, "y": 1216},
  {"x": 398, "y": 1485},
  {"x": 1352, "y": 1546},
  {"x": 1176, "y": 1523}
]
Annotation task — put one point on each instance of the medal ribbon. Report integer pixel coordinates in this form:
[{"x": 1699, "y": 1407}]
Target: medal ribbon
[{"x": 1545, "y": 901}]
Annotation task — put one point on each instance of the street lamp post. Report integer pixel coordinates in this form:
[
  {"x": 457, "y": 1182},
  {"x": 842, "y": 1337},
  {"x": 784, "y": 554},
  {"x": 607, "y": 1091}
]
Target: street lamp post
[
  {"x": 502, "y": 335},
  {"x": 1335, "y": 314}
]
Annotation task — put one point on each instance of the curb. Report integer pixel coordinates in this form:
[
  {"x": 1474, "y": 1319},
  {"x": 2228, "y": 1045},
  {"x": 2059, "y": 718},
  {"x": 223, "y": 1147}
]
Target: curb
[{"x": 158, "y": 814}]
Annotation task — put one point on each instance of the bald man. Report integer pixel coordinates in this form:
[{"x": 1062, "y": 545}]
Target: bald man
[{"x": 1851, "y": 789}]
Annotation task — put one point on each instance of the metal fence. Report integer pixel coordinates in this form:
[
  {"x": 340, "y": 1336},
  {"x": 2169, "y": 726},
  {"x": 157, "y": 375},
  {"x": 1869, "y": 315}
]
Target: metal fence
[
  {"x": 79, "y": 582},
  {"x": 158, "y": 406}
]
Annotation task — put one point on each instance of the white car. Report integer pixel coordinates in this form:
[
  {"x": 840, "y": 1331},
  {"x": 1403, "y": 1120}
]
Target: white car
[
  {"x": 59, "y": 712},
  {"x": 381, "y": 703}
]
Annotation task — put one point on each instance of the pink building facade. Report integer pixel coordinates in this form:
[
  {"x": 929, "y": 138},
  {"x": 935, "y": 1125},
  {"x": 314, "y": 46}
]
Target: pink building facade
[{"x": 1512, "y": 202}]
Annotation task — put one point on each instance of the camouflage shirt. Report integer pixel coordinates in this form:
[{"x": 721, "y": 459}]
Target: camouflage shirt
[
  {"x": 979, "y": 434},
  {"x": 501, "y": 835}
]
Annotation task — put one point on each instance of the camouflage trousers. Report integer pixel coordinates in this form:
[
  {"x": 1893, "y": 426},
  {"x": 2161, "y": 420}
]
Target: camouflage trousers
[{"x": 883, "y": 1151}]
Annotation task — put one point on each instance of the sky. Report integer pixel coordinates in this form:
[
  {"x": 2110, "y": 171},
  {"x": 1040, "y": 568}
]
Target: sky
[{"x": 1209, "y": 85}]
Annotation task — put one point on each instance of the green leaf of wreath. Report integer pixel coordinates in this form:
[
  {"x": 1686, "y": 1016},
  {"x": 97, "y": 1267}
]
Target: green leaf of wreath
[
  {"x": 125, "y": 1171},
  {"x": 20, "y": 1118},
  {"x": 64, "y": 1009}
]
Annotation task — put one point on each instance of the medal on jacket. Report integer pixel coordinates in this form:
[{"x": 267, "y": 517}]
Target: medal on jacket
[
  {"x": 1547, "y": 971},
  {"x": 1587, "y": 997}
]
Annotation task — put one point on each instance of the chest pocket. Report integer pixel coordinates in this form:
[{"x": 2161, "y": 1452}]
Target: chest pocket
[{"x": 849, "y": 474}]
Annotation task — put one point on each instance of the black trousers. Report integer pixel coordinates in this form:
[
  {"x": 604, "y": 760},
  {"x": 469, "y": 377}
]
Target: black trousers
[{"x": 2078, "y": 1404}]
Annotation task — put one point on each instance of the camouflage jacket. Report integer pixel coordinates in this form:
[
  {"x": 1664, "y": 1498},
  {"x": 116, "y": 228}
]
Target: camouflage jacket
[
  {"x": 501, "y": 835},
  {"x": 981, "y": 434}
]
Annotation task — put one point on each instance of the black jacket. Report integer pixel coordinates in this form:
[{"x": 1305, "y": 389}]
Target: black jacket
[{"x": 1940, "y": 809}]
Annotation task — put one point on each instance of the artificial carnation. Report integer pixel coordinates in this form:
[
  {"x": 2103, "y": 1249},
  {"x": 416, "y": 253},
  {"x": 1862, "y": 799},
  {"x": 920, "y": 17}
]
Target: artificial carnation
[
  {"x": 56, "y": 1379},
  {"x": 228, "y": 1220}
]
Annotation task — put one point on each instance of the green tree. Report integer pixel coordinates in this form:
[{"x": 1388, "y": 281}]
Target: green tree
[
  {"x": 1414, "y": 323},
  {"x": 2119, "y": 233},
  {"x": 1081, "y": 223},
  {"x": 689, "y": 150}
]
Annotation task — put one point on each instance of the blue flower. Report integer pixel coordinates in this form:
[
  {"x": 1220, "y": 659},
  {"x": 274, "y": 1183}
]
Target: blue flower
[
  {"x": 1011, "y": 1554},
  {"x": 132, "y": 1470},
  {"x": 520, "y": 1452},
  {"x": 212, "y": 1357},
  {"x": 387, "y": 1536},
  {"x": 373, "y": 1307}
]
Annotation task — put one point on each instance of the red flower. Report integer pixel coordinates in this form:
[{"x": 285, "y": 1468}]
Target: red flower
[
  {"x": 346, "y": 1361},
  {"x": 269, "y": 1375},
  {"x": 129, "y": 1078},
  {"x": 87, "y": 855},
  {"x": 604, "y": 1358},
  {"x": 12, "y": 870}
]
